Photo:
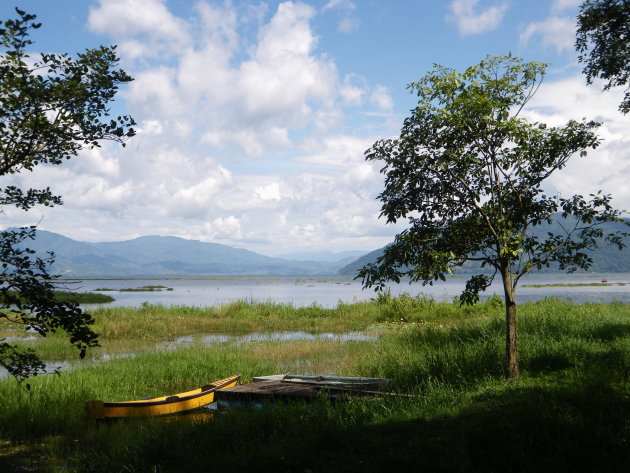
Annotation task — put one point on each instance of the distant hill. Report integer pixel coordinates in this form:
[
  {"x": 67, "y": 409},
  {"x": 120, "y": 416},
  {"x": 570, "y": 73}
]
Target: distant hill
[
  {"x": 328, "y": 256},
  {"x": 160, "y": 256},
  {"x": 605, "y": 260}
]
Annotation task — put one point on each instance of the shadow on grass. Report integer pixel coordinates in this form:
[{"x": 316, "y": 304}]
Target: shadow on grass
[
  {"x": 609, "y": 332},
  {"x": 516, "y": 429}
]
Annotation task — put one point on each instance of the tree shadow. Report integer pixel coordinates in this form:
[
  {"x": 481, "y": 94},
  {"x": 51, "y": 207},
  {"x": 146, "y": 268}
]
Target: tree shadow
[
  {"x": 575, "y": 428},
  {"x": 523, "y": 430},
  {"x": 610, "y": 332}
]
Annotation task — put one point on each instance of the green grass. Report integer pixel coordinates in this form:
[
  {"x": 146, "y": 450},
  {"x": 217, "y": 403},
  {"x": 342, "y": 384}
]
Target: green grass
[
  {"x": 83, "y": 297},
  {"x": 78, "y": 297},
  {"x": 125, "y": 329},
  {"x": 569, "y": 412}
]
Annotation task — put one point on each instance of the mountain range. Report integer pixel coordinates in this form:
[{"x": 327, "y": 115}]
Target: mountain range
[
  {"x": 166, "y": 256},
  {"x": 605, "y": 260}
]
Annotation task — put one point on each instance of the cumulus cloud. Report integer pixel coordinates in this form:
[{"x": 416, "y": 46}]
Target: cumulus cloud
[
  {"x": 238, "y": 133},
  {"x": 270, "y": 192},
  {"x": 337, "y": 150},
  {"x": 223, "y": 228},
  {"x": 251, "y": 102},
  {"x": 556, "y": 32},
  {"x": 143, "y": 28},
  {"x": 606, "y": 167},
  {"x": 470, "y": 20}
]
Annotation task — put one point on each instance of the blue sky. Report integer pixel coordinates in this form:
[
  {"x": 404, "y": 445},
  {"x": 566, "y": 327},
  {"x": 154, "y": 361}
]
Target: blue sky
[{"x": 254, "y": 116}]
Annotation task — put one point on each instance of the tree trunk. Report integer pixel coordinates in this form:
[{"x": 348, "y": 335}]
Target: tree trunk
[{"x": 511, "y": 352}]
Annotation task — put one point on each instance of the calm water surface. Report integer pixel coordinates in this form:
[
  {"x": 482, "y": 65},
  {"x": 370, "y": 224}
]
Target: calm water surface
[
  {"x": 326, "y": 292},
  {"x": 330, "y": 291}
]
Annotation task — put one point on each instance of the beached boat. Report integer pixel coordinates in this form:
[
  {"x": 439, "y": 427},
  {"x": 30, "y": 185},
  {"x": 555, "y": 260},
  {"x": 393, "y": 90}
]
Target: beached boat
[
  {"x": 329, "y": 381},
  {"x": 163, "y": 405}
]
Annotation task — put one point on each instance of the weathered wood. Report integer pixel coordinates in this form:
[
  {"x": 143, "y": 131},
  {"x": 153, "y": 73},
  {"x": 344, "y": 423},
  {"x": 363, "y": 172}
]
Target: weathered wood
[
  {"x": 354, "y": 382},
  {"x": 279, "y": 391}
]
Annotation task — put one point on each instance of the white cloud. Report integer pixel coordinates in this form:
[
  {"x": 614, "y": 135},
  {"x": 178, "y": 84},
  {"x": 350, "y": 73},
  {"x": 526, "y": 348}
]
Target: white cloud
[
  {"x": 223, "y": 228},
  {"x": 151, "y": 127},
  {"x": 470, "y": 20},
  {"x": 606, "y": 167},
  {"x": 555, "y": 32},
  {"x": 354, "y": 89},
  {"x": 270, "y": 192},
  {"x": 154, "y": 92},
  {"x": 348, "y": 23},
  {"x": 127, "y": 19},
  {"x": 561, "y": 5},
  {"x": 337, "y": 150},
  {"x": 250, "y": 103},
  {"x": 381, "y": 98},
  {"x": 239, "y": 135},
  {"x": 341, "y": 4}
]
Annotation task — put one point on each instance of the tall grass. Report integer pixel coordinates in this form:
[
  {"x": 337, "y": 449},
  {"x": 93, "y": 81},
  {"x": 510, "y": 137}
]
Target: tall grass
[
  {"x": 569, "y": 412},
  {"x": 553, "y": 335}
]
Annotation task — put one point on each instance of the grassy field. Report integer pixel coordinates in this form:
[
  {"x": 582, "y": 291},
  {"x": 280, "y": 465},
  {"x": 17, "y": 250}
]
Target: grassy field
[{"x": 570, "y": 411}]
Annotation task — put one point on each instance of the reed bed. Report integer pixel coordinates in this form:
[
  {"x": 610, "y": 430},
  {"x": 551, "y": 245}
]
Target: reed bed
[{"x": 569, "y": 411}]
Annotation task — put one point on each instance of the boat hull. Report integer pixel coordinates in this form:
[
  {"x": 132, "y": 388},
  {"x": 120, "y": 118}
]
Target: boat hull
[{"x": 163, "y": 405}]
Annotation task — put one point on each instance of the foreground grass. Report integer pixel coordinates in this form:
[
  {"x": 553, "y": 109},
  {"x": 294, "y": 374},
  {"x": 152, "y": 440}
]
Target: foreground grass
[{"x": 569, "y": 411}]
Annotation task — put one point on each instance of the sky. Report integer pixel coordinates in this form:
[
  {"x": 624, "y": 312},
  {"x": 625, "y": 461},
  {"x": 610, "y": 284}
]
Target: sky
[{"x": 253, "y": 117}]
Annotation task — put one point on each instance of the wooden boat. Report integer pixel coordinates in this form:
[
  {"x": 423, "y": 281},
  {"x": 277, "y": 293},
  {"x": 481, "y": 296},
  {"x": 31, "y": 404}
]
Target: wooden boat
[
  {"x": 280, "y": 388},
  {"x": 163, "y": 405},
  {"x": 327, "y": 381}
]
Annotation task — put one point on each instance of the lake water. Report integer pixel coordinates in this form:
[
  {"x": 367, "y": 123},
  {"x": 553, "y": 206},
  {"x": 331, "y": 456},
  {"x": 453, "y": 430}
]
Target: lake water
[
  {"x": 326, "y": 292},
  {"x": 329, "y": 291}
]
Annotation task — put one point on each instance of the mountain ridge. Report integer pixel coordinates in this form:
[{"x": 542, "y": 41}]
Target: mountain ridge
[
  {"x": 165, "y": 256},
  {"x": 605, "y": 260}
]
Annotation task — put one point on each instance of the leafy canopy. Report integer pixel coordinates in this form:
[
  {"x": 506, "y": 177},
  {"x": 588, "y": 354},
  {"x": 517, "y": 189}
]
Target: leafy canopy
[
  {"x": 51, "y": 108},
  {"x": 603, "y": 41},
  {"x": 468, "y": 173}
]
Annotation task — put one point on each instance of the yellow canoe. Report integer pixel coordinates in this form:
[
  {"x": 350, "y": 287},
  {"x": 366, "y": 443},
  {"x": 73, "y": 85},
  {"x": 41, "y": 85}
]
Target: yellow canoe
[{"x": 163, "y": 405}]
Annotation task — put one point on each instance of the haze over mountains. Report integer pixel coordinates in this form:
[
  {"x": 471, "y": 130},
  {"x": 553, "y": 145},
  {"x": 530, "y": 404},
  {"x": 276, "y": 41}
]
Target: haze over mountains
[
  {"x": 605, "y": 260},
  {"x": 160, "y": 256}
]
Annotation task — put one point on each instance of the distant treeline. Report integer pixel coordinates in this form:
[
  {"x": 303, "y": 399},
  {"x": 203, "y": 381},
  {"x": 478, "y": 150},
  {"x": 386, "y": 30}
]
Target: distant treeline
[{"x": 78, "y": 297}]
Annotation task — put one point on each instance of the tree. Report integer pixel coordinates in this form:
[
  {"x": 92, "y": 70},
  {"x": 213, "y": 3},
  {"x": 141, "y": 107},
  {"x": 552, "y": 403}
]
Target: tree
[
  {"x": 603, "y": 41},
  {"x": 50, "y": 109},
  {"x": 467, "y": 172}
]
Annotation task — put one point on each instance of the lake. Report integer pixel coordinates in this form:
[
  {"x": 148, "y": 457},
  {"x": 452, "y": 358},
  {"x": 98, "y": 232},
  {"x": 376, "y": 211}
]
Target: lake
[{"x": 329, "y": 291}]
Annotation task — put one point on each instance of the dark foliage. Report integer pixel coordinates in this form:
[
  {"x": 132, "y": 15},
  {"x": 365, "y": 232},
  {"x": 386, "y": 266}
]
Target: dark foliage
[
  {"x": 603, "y": 41},
  {"x": 50, "y": 109}
]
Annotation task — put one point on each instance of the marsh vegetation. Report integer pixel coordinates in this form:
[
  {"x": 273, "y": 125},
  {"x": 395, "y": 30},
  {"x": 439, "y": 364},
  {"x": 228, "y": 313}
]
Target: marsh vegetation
[
  {"x": 568, "y": 412},
  {"x": 150, "y": 288},
  {"x": 76, "y": 297}
]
